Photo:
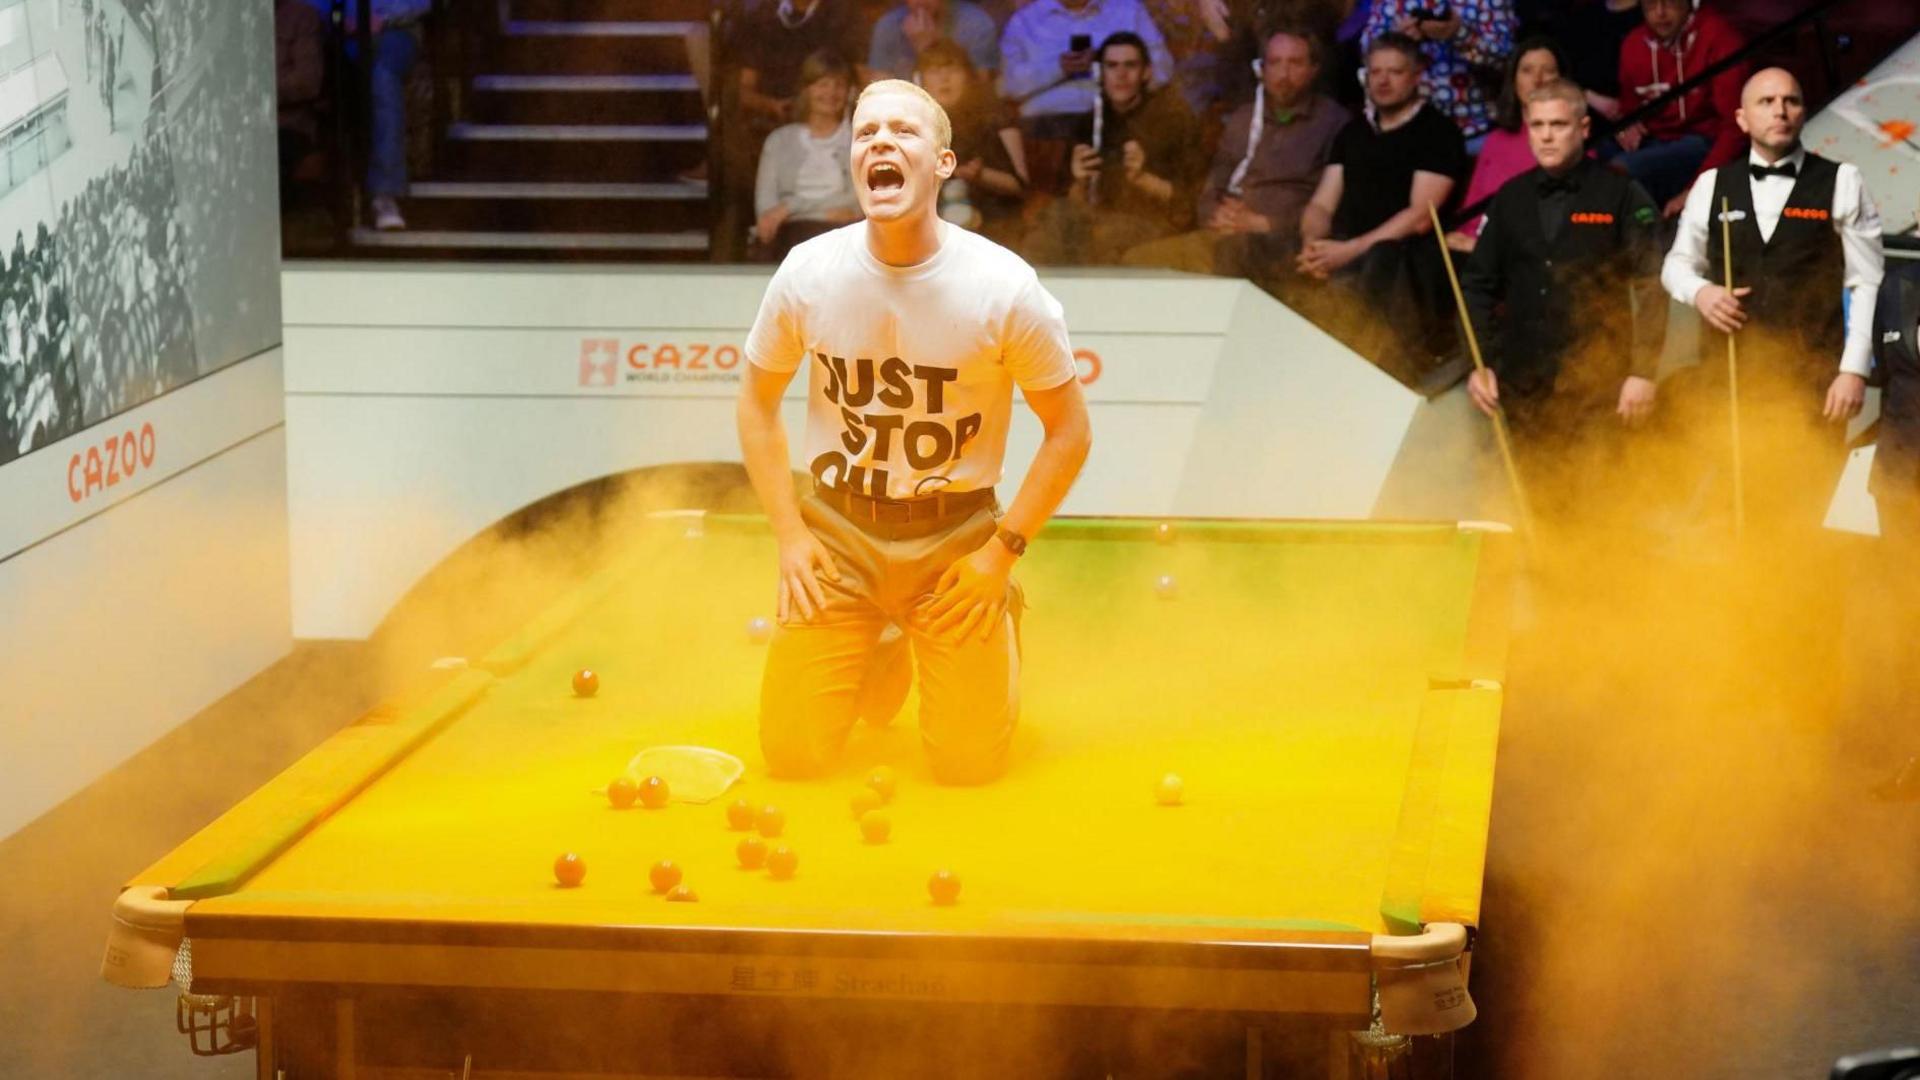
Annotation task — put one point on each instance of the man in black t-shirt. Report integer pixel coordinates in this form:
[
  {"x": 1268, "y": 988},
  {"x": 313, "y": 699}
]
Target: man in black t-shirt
[{"x": 1368, "y": 221}]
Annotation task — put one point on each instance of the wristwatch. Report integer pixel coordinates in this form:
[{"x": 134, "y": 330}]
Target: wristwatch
[{"x": 1014, "y": 542}]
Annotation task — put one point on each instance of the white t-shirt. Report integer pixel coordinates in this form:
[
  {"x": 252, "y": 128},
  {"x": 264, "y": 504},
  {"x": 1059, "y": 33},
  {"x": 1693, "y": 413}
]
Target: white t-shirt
[{"x": 910, "y": 384}]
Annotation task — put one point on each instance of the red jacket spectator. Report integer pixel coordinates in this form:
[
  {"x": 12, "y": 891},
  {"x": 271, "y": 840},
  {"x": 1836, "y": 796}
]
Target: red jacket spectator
[{"x": 1650, "y": 67}]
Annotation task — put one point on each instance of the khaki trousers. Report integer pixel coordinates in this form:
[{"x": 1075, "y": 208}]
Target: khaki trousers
[{"x": 811, "y": 692}]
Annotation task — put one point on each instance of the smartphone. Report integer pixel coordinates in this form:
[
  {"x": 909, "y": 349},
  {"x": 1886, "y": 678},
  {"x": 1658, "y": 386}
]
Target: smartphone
[{"x": 1080, "y": 43}]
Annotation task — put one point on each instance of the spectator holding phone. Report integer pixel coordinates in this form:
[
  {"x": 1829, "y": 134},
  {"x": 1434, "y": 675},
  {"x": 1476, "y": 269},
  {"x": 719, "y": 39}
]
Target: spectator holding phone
[
  {"x": 1047, "y": 59},
  {"x": 1463, "y": 42},
  {"x": 1135, "y": 167}
]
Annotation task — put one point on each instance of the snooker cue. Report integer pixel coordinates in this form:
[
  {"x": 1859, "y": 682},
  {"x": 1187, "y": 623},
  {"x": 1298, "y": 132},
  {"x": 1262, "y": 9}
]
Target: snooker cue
[
  {"x": 1500, "y": 436},
  {"x": 1733, "y": 381}
]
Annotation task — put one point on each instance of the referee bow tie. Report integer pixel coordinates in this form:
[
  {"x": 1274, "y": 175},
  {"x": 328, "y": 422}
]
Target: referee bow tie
[{"x": 1761, "y": 172}]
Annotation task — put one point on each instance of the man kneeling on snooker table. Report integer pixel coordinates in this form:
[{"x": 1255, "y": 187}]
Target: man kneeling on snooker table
[{"x": 914, "y": 332}]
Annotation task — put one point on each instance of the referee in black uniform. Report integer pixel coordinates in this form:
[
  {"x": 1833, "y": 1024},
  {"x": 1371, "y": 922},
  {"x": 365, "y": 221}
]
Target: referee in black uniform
[{"x": 1564, "y": 292}]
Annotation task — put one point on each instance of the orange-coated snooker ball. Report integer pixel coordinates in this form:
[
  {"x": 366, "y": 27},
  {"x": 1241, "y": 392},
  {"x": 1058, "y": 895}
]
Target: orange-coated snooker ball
[
  {"x": 569, "y": 870},
  {"x": 654, "y": 793},
  {"x": 622, "y": 792},
  {"x": 944, "y": 887},
  {"x": 664, "y": 875},
  {"x": 681, "y": 894},
  {"x": 882, "y": 783},
  {"x": 782, "y": 862},
  {"x": 876, "y": 826},
  {"x": 585, "y": 683},
  {"x": 771, "y": 822},
  {"x": 740, "y": 815},
  {"x": 1170, "y": 790},
  {"x": 752, "y": 852},
  {"x": 864, "y": 800}
]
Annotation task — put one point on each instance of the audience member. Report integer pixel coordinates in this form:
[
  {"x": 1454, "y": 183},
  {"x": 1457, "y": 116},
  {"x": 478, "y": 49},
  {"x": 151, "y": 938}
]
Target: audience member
[
  {"x": 989, "y": 180},
  {"x": 1563, "y": 289},
  {"x": 1046, "y": 55},
  {"x": 1693, "y": 133},
  {"x": 299, "y": 51},
  {"x": 1367, "y": 222},
  {"x": 396, "y": 49},
  {"x": 1196, "y": 32},
  {"x": 1590, "y": 33},
  {"x": 1135, "y": 166},
  {"x": 1269, "y": 162},
  {"x": 805, "y": 183},
  {"x": 1507, "y": 153},
  {"x": 1461, "y": 41},
  {"x": 772, "y": 39},
  {"x": 904, "y": 33}
]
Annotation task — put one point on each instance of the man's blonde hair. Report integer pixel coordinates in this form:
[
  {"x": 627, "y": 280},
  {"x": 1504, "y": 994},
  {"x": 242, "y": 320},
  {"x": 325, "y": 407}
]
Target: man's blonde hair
[
  {"x": 942, "y": 127},
  {"x": 1560, "y": 90}
]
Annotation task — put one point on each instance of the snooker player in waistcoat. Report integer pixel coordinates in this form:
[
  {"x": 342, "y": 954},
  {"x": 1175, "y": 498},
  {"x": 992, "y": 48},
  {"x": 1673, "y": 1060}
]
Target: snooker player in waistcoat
[
  {"x": 1563, "y": 291},
  {"x": 1803, "y": 233}
]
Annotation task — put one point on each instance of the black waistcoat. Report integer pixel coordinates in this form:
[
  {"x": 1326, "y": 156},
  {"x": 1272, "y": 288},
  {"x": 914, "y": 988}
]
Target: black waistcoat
[
  {"x": 1797, "y": 275},
  {"x": 1557, "y": 285}
]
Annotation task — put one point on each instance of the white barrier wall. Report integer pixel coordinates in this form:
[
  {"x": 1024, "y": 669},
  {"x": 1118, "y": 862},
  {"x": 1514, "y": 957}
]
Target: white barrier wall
[
  {"x": 156, "y": 591},
  {"x": 426, "y": 403}
]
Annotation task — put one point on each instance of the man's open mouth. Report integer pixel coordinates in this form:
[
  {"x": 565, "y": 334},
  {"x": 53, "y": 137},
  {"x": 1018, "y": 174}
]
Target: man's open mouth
[{"x": 885, "y": 175}]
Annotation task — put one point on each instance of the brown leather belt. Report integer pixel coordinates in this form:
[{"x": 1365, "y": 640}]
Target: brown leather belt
[{"x": 904, "y": 519}]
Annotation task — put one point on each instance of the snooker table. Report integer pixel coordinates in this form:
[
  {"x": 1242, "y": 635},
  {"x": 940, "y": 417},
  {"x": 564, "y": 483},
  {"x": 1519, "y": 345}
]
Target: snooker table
[{"x": 1329, "y": 693}]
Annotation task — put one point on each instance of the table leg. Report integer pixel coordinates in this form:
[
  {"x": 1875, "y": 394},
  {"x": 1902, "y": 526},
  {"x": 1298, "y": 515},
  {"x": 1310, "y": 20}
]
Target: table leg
[
  {"x": 263, "y": 1050},
  {"x": 344, "y": 1050}
]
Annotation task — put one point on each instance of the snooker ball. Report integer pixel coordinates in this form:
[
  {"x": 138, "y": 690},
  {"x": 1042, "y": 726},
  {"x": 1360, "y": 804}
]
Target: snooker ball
[
  {"x": 740, "y": 815},
  {"x": 680, "y": 894},
  {"x": 771, "y": 822},
  {"x": 1169, "y": 791},
  {"x": 1163, "y": 532},
  {"x": 569, "y": 870},
  {"x": 864, "y": 800},
  {"x": 654, "y": 793},
  {"x": 876, "y": 826},
  {"x": 752, "y": 852},
  {"x": 622, "y": 792},
  {"x": 1166, "y": 586},
  {"x": 759, "y": 629},
  {"x": 664, "y": 875},
  {"x": 882, "y": 783},
  {"x": 585, "y": 683},
  {"x": 782, "y": 862},
  {"x": 944, "y": 887}
]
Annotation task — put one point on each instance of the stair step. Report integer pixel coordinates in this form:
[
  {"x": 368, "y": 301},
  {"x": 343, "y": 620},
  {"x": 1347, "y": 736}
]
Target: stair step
[
  {"x": 587, "y": 84},
  {"x": 687, "y": 190},
  {"x": 541, "y": 49},
  {"x": 637, "y": 133},
  {"x": 561, "y": 160},
  {"x": 492, "y": 106},
  {"x": 430, "y": 214},
  {"x": 626, "y": 28},
  {"x": 603, "y": 10},
  {"x": 415, "y": 238}
]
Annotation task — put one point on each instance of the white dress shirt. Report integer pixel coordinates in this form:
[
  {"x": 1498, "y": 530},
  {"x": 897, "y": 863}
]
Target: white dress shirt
[
  {"x": 1038, "y": 33},
  {"x": 1686, "y": 271}
]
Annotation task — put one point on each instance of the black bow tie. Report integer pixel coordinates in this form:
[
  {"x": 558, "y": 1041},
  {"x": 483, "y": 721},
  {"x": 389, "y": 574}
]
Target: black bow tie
[
  {"x": 1550, "y": 184},
  {"x": 1761, "y": 172}
]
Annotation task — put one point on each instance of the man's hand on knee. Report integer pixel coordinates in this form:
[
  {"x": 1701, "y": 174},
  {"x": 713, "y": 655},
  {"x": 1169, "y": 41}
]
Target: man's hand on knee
[
  {"x": 804, "y": 561},
  {"x": 971, "y": 596}
]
